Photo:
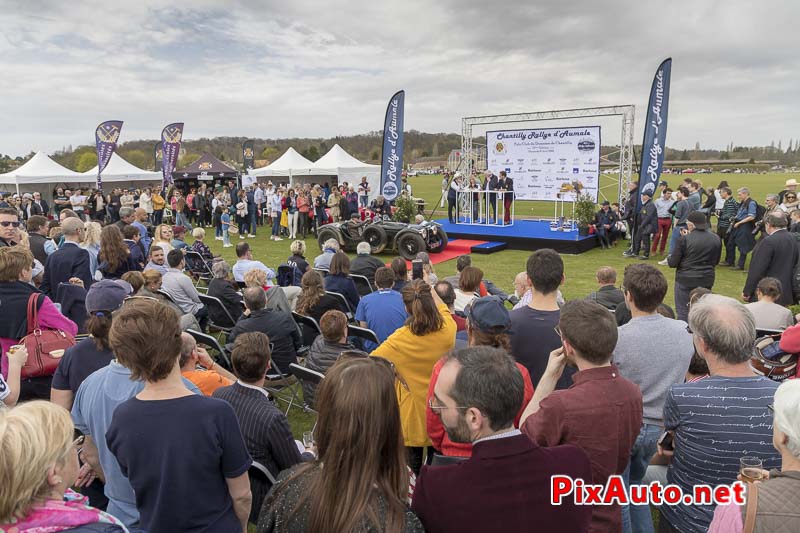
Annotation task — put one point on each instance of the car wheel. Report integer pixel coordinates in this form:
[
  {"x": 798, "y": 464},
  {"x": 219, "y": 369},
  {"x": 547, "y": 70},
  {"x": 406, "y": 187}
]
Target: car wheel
[
  {"x": 410, "y": 244},
  {"x": 376, "y": 237},
  {"x": 438, "y": 242},
  {"x": 325, "y": 234}
]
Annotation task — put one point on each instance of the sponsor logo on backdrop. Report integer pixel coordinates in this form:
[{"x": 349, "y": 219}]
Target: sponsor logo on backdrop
[
  {"x": 499, "y": 148},
  {"x": 586, "y": 145},
  {"x": 575, "y": 170}
]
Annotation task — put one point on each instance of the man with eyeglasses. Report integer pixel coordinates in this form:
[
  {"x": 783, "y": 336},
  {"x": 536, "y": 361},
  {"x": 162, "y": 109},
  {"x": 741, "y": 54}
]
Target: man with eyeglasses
[
  {"x": 9, "y": 227},
  {"x": 70, "y": 261},
  {"x": 477, "y": 396}
]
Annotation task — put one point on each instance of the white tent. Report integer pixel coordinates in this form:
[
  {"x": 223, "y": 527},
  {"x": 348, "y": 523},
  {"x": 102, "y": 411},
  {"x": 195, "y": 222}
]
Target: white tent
[
  {"x": 337, "y": 162},
  {"x": 120, "y": 170},
  {"x": 290, "y": 163},
  {"x": 39, "y": 170}
]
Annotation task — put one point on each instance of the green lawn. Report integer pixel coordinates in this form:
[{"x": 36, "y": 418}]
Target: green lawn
[{"x": 501, "y": 267}]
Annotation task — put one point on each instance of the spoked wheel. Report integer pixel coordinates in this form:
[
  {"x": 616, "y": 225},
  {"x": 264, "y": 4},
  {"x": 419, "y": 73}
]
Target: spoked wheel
[
  {"x": 409, "y": 245},
  {"x": 376, "y": 237}
]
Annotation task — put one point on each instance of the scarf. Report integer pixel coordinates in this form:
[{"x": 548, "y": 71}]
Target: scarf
[{"x": 54, "y": 515}]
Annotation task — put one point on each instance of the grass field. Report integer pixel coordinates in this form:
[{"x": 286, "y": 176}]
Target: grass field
[{"x": 501, "y": 267}]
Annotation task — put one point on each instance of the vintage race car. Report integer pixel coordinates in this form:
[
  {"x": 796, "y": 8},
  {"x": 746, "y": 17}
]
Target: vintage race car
[{"x": 407, "y": 239}]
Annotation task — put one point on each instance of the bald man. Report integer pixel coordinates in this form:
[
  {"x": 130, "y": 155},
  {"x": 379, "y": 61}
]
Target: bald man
[{"x": 522, "y": 290}]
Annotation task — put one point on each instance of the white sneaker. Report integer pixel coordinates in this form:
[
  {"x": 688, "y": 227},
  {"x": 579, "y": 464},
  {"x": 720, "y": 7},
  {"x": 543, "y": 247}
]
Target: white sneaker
[
  {"x": 250, "y": 235},
  {"x": 664, "y": 262},
  {"x": 217, "y": 238},
  {"x": 278, "y": 238},
  {"x": 227, "y": 245},
  {"x": 241, "y": 236}
]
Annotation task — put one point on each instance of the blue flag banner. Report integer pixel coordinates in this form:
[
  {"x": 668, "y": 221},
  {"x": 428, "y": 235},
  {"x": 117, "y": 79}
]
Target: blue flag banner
[
  {"x": 392, "y": 151},
  {"x": 655, "y": 132},
  {"x": 171, "y": 137},
  {"x": 106, "y": 137}
]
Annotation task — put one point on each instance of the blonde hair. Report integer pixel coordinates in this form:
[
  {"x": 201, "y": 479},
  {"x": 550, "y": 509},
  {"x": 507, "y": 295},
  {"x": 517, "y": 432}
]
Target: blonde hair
[
  {"x": 255, "y": 278},
  {"x": 14, "y": 260},
  {"x": 91, "y": 234},
  {"x": 298, "y": 247},
  {"x": 34, "y": 437},
  {"x": 199, "y": 233}
]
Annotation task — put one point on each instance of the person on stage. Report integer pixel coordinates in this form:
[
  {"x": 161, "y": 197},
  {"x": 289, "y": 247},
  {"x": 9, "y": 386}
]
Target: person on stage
[
  {"x": 506, "y": 184},
  {"x": 491, "y": 185},
  {"x": 452, "y": 196}
]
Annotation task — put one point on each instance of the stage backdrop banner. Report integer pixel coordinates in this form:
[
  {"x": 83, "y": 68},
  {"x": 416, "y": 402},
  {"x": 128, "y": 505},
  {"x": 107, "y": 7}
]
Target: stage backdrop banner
[
  {"x": 540, "y": 161},
  {"x": 106, "y": 137},
  {"x": 392, "y": 151},
  {"x": 171, "y": 137},
  {"x": 655, "y": 131}
]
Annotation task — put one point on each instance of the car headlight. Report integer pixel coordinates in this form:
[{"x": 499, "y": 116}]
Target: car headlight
[{"x": 424, "y": 233}]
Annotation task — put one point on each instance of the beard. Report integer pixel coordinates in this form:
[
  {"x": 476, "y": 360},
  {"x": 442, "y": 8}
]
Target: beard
[{"x": 459, "y": 433}]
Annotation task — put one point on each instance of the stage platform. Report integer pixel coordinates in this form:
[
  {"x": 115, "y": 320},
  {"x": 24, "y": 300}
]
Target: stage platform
[{"x": 523, "y": 235}]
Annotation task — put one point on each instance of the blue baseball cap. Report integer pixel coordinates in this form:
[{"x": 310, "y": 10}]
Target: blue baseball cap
[{"x": 488, "y": 314}]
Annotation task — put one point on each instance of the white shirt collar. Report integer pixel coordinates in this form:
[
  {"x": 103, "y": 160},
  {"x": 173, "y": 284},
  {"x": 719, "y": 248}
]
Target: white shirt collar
[
  {"x": 259, "y": 389},
  {"x": 512, "y": 433}
]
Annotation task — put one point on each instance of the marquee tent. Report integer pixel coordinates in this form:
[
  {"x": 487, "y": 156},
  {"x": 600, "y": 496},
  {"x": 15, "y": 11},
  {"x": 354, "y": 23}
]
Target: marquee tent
[
  {"x": 120, "y": 170},
  {"x": 207, "y": 168},
  {"x": 39, "y": 170},
  {"x": 288, "y": 164}
]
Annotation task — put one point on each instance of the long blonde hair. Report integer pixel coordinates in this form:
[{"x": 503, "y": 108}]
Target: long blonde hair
[
  {"x": 91, "y": 233},
  {"x": 34, "y": 437}
]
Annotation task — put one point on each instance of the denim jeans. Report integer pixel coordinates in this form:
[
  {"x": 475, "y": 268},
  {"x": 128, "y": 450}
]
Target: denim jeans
[
  {"x": 637, "y": 518},
  {"x": 253, "y": 220},
  {"x": 676, "y": 233}
]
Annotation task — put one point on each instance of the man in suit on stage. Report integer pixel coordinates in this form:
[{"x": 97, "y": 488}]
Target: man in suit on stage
[
  {"x": 491, "y": 185},
  {"x": 774, "y": 257},
  {"x": 506, "y": 184}
]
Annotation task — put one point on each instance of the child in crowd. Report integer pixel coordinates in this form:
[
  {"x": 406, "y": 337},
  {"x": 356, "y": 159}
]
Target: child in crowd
[{"x": 225, "y": 223}]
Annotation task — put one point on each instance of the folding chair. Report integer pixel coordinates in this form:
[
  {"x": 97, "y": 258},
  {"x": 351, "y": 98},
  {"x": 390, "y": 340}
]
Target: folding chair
[
  {"x": 260, "y": 471},
  {"x": 363, "y": 284},
  {"x": 362, "y": 333},
  {"x": 443, "y": 460},
  {"x": 212, "y": 302},
  {"x": 282, "y": 387},
  {"x": 166, "y": 295},
  {"x": 322, "y": 271},
  {"x": 213, "y": 344},
  {"x": 199, "y": 269},
  {"x": 309, "y": 329},
  {"x": 342, "y": 300},
  {"x": 306, "y": 375}
]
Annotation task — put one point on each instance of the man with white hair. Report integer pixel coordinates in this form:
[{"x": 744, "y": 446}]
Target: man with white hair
[
  {"x": 71, "y": 261},
  {"x": 323, "y": 260},
  {"x": 364, "y": 264},
  {"x": 720, "y": 419}
]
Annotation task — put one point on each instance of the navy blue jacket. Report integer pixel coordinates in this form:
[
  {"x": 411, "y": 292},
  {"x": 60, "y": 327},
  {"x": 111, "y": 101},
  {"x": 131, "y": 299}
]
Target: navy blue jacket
[
  {"x": 345, "y": 286},
  {"x": 71, "y": 261}
]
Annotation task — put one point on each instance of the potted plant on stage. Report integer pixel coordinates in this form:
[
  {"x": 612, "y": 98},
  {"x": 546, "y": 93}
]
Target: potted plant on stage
[{"x": 585, "y": 209}]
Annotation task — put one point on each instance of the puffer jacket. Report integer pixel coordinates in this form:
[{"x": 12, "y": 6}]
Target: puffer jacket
[{"x": 321, "y": 357}]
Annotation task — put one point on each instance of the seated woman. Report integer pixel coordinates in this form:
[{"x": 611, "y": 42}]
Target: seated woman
[
  {"x": 339, "y": 280},
  {"x": 225, "y": 289},
  {"x": 38, "y": 465},
  {"x": 199, "y": 246},
  {"x": 162, "y": 236},
  {"x": 766, "y": 501},
  {"x": 115, "y": 256},
  {"x": 298, "y": 257},
  {"x": 768, "y": 314},
  {"x": 400, "y": 269},
  {"x": 326, "y": 349},
  {"x": 276, "y": 297},
  {"x": 314, "y": 301},
  {"x": 468, "y": 284},
  {"x": 364, "y": 483},
  {"x": 178, "y": 234}
]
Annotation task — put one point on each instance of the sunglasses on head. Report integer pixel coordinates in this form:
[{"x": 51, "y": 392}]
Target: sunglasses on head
[{"x": 7, "y": 223}]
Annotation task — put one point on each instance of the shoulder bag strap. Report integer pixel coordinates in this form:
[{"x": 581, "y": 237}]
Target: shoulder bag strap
[
  {"x": 32, "y": 315},
  {"x": 752, "y": 507}
]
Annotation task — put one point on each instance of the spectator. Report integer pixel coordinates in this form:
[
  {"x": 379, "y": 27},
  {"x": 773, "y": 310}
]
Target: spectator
[
  {"x": 199, "y": 368},
  {"x": 126, "y": 217},
  {"x": 152, "y": 289},
  {"x": 708, "y": 439},
  {"x": 70, "y": 261},
  {"x": 791, "y": 187},
  {"x": 772, "y": 508},
  {"x": 775, "y": 257},
  {"x": 359, "y": 441},
  {"x": 429, "y": 333},
  {"x": 790, "y": 202},
  {"x": 645, "y": 225},
  {"x": 158, "y": 260},
  {"x": 38, "y": 464},
  {"x": 15, "y": 291},
  {"x": 427, "y": 266},
  {"x": 608, "y": 295},
  {"x": 326, "y": 349},
  {"x": 695, "y": 198},
  {"x": 181, "y": 290},
  {"x": 225, "y": 290},
  {"x": 694, "y": 259},
  {"x": 163, "y": 237},
  {"x": 37, "y": 236},
  {"x": 245, "y": 262},
  {"x": 604, "y": 221},
  {"x": 91, "y": 243},
  {"x": 323, "y": 261},
  {"x": 533, "y": 335},
  {"x": 265, "y": 428},
  {"x": 601, "y": 413},
  {"x": 178, "y": 242},
  {"x": 338, "y": 280},
  {"x": 469, "y": 286},
  {"x": 400, "y": 270},
  {"x": 682, "y": 208},
  {"x": 766, "y": 312},
  {"x": 488, "y": 322},
  {"x": 115, "y": 256},
  {"x": 161, "y": 420},
  {"x": 78, "y": 202},
  {"x": 448, "y": 296},
  {"x": 724, "y": 222},
  {"x": 477, "y": 396},
  {"x": 653, "y": 362},
  {"x": 298, "y": 259},
  {"x": 9, "y": 227},
  {"x": 743, "y": 226},
  {"x": 277, "y": 299},
  {"x": 132, "y": 240},
  {"x": 364, "y": 264},
  {"x": 278, "y": 325},
  {"x": 10, "y": 385},
  {"x": 382, "y": 311},
  {"x": 663, "y": 211},
  {"x": 522, "y": 290},
  {"x": 771, "y": 206},
  {"x": 199, "y": 246},
  {"x": 92, "y": 353},
  {"x": 313, "y": 300}
]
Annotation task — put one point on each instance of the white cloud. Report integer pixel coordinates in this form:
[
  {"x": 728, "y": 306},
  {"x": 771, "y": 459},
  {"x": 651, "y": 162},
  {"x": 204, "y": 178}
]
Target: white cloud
[{"x": 319, "y": 69}]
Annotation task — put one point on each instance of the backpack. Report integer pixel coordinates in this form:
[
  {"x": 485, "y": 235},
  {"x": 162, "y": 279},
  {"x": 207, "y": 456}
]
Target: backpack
[
  {"x": 760, "y": 211},
  {"x": 288, "y": 275}
]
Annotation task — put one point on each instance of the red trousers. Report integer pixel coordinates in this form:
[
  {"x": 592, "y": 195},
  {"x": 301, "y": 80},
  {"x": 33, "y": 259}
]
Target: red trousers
[
  {"x": 506, "y": 209},
  {"x": 664, "y": 225}
]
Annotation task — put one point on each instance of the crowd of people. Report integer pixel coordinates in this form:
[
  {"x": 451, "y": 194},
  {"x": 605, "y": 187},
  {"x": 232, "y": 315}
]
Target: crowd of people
[{"x": 451, "y": 412}]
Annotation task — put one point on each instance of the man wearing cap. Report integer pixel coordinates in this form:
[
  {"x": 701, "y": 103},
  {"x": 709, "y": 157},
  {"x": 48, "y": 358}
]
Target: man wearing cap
[
  {"x": 646, "y": 223},
  {"x": 694, "y": 258},
  {"x": 178, "y": 242},
  {"x": 92, "y": 353},
  {"x": 604, "y": 222},
  {"x": 791, "y": 186},
  {"x": 774, "y": 257}
]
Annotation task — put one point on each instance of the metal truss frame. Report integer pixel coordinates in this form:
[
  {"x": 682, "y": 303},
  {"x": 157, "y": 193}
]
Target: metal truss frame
[{"x": 625, "y": 112}]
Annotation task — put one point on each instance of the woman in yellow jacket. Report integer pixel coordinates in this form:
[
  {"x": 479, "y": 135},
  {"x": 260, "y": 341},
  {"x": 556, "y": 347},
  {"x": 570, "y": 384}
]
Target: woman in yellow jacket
[
  {"x": 428, "y": 334},
  {"x": 158, "y": 206}
]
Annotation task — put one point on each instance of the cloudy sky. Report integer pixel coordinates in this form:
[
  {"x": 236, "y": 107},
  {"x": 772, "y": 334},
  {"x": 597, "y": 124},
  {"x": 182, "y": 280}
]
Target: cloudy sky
[{"x": 310, "y": 68}]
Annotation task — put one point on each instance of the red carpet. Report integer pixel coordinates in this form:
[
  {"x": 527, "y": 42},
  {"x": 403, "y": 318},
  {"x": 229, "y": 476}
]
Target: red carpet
[{"x": 455, "y": 248}]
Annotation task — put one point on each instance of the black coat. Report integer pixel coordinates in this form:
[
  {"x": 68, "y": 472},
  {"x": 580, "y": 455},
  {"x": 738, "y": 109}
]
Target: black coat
[
  {"x": 774, "y": 257},
  {"x": 71, "y": 261},
  {"x": 647, "y": 219},
  {"x": 695, "y": 257},
  {"x": 281, "y": 330}
]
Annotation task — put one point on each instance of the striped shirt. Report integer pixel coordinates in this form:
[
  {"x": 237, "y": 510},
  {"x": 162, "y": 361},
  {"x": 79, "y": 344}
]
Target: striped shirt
[{"x": 717, "y": 421}]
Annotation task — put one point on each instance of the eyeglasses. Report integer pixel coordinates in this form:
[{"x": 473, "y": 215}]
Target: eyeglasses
[
  {"x": 771, "y": 407},
  {"x": 792, "y": 196},
  {"x": 558, "y": 331},
  {"x": 7, "y": 223},
  {"x": 689, "y": 330},
  {"x": 440, "y": 408}
]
